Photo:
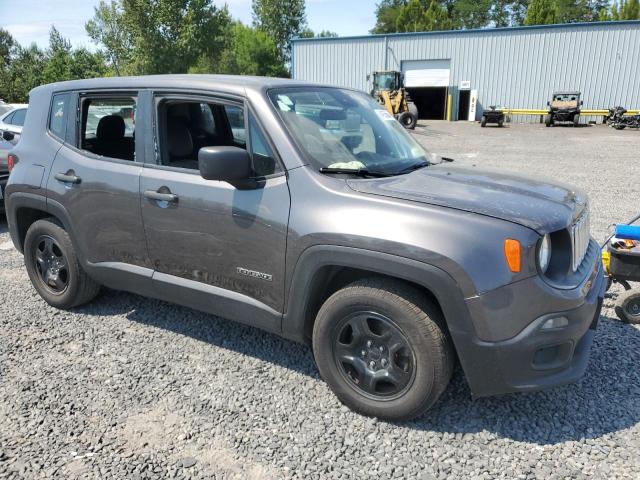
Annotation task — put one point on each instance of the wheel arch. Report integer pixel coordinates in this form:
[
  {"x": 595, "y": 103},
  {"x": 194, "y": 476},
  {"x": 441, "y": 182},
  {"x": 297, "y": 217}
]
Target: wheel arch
[
  {"x": 322, "y": 270},
  {"x": 26, "y": 208}
]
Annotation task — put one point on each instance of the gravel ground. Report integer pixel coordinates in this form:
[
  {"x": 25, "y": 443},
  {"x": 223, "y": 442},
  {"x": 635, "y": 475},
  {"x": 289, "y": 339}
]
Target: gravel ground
[{"x": 134, "y": 388}]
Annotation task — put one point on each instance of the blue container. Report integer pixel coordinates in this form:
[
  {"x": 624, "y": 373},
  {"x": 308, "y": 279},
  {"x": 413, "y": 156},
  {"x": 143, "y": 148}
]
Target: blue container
[{"x": 628, "y": 232}]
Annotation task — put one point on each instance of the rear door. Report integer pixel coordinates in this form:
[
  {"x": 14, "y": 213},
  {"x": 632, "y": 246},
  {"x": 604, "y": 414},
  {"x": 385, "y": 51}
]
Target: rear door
[
  {"x": 212, "y": 246},
  {"x": 95, "y": 178}
]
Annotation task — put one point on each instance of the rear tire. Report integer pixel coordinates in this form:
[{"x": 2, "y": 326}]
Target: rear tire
[
  {"x": 383, "y": 349},
  {"x": 408, "y": 120},
  {"x": 53, "y": 266},
  {"x": 619, "y": 127},
  {"x": 413, "y": 109},
  {"x": 628, "y": 306},
  {"x": 483, "y": 121}
]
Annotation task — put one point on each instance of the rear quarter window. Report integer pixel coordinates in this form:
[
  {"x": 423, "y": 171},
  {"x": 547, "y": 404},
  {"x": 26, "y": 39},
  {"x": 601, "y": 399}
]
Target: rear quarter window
[{"x": 59, "y": 114}]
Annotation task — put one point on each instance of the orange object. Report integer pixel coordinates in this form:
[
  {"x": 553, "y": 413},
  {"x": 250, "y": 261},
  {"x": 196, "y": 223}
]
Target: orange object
[{"x": 512, "y": 254}]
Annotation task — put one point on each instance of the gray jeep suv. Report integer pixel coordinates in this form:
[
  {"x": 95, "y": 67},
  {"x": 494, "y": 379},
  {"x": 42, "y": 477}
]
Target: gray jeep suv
[{"x": 307, "y": 211}]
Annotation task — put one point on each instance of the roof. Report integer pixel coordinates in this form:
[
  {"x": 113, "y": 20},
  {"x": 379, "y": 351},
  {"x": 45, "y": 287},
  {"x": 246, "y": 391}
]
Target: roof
[
  {"x": 234, "y": 84},
  {"x": 489, "y": 31},
  {"x": 566, "y": 92}
]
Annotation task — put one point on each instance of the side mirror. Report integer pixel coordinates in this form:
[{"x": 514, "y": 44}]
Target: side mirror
[
  {"x": 8, "y": 136},
  {"x": 581, "y": 102},
  {"x": 227, "y": 164},
  {"x": 548, "y": 104}
]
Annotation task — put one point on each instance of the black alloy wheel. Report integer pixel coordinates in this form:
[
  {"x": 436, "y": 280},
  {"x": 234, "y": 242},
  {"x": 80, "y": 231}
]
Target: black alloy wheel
[
  {"x": 51, "y": 264},
  {"x": 383, "y": 348},
  {"x": 373, "y": 355}
]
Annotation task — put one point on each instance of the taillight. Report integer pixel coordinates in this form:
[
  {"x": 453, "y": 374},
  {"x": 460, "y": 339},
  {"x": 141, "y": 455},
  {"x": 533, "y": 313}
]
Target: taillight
[{"x": 11, "y": 161}]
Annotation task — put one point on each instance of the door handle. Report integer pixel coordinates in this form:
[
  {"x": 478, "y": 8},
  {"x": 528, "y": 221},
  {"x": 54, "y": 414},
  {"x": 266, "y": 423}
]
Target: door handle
[
  {"x": 67, "y": 178},
  {"x": 160, "y": 197}
]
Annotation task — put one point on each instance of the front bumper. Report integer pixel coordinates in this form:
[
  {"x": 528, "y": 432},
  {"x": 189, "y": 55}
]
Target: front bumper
[{"x": 534, "y": 358}]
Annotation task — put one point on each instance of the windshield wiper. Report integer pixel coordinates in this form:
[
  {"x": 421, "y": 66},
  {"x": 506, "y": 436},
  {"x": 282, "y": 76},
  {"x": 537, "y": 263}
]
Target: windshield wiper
[
  {"x": 361, "y": 172},
  {"x": 411, "y": 168}
]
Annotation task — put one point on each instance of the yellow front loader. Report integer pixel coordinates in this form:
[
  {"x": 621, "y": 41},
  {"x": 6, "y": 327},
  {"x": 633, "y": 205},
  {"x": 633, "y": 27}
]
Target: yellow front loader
[{"x": 389, "y": 90}]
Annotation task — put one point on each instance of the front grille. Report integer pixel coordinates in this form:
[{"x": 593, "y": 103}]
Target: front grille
[{"x": 580, "y": 236}]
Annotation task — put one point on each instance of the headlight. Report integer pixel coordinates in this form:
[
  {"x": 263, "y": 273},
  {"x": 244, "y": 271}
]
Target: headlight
[{"x": 544, "y": 253}]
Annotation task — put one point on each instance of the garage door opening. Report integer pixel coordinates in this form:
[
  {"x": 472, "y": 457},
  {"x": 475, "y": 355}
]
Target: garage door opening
[
  {"x": 463, "y": 104},
  {"x": 431, "y": 102}
]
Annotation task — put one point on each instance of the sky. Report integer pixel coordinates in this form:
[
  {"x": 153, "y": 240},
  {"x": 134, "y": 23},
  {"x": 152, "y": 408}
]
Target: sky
[{"x": 30, "y": 20}]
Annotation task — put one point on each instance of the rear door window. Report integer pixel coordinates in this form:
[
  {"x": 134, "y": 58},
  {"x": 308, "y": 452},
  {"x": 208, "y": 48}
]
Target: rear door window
[{"x": 108, "y": 126}]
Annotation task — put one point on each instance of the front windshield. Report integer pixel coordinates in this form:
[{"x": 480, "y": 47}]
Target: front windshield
[
  {"x": 344, "y": 129},
  {"x": 385, "y": 81}
]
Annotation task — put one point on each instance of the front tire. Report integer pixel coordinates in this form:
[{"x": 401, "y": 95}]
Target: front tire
[
  {"x": 53, "y": 267},
  {"x": 576, "y": 119},
  {"x": 408, "y": 120},
  {"x": 383, "y": 349},
  {"x": 628, "y": 306},
  {"x": 548, "y": 120}
]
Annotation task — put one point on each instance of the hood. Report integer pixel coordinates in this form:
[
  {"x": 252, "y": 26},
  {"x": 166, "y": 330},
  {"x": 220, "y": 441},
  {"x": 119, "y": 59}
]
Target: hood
[{"x": 536, "y": 204}]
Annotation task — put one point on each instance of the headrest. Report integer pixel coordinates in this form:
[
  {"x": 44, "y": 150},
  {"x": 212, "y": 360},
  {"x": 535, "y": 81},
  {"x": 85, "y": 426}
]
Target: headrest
[
  {"x": 178, "y": 110},
  {"x": 330, "y": 114},
  {"x": 179, "y": 139},
  {"x": 110, "y": 127}
]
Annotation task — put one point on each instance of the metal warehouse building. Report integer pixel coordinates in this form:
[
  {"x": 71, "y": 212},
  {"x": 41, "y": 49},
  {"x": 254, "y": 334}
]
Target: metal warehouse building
[{"x": 456, "y": 74}]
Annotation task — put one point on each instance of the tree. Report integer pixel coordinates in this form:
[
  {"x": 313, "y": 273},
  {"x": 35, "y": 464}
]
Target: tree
[
  {"x": 281, "y": 20},
  {"x": 414, "y": 17},
  {"x": 250, "y": 52},
  {"x": 571, "y": 11},
  {"x": 629, "y": 10},
  {"x": 326, "y": 34},
  {"x": 437, "y": 18},
  {"x": 308, "y": 33},
  {"x": 507, "y": 13},
  {"x": 23, "y": 73},
  {"x": 7, "y": 43},
  {"x": 387, "y": 12},
  {"x": 64, "y": 63},
  {"x": 28, "y": 67},
  {"x": 107, "y": 28},
  {"x": 411, "y": 17},
  {"x": 471, "y": 13},
  {"x": 58, "y": 58},
  {"x": 541, "y": 12},
  {"x": 85, "y": 64},
  {"x": 160, "y": 36}
]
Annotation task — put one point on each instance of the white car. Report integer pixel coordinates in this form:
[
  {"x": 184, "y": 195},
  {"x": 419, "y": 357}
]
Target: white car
[{"x": 13, "y": 120}]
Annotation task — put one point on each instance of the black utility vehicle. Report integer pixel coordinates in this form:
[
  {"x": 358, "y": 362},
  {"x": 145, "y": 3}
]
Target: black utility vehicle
[
  {"x": 310, "y": 212},
  {"x": 564, "y": 108},
  {"x": 493, "y": 115}
]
